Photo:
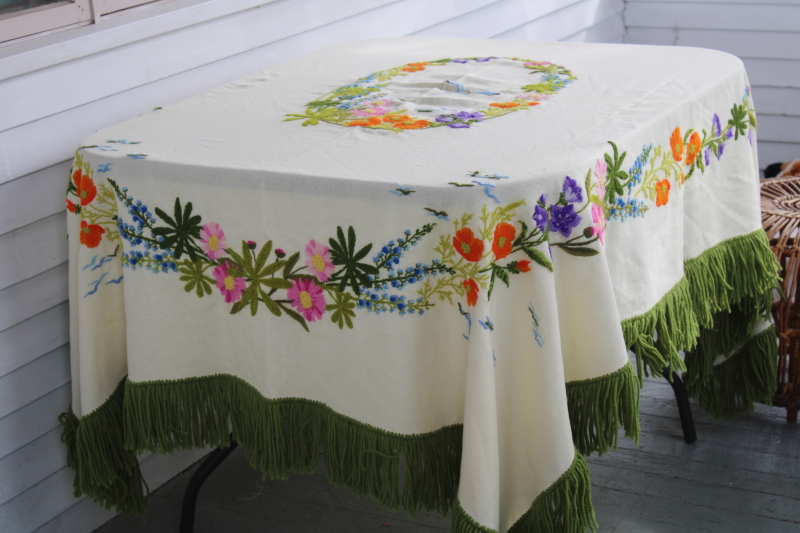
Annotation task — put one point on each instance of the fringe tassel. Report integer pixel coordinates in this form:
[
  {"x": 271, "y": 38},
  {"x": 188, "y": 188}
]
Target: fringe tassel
[
  {"x": 598, "y": 405},
  {"x": 732, "y": 270},
  {"x": 735, "y": 270},
  {"x": 732, "y": 387},
  {"x": 565, "y": 507},
  {"x": 104, "y": 470},
  {"x": 657, "y": 336},
  {"x": 285, "y": 436}
]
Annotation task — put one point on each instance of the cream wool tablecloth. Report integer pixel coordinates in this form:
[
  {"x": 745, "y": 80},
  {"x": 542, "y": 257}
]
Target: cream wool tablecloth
[{"x": 440, "y": 249}]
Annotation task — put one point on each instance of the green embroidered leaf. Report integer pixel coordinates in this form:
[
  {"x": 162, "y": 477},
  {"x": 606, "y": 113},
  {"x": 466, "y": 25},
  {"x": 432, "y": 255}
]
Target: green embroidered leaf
[
  {"x": 273, "y": 306},
  {"x": 739, "y": 120},
  {"x": 342, "y": 309},
  {"x": 615, "y": 176},
  {"x": 182, "y": 231},
  {"x": 295, "y": 315},
  {"x": 343, "y": 254},
  {"x": 539, "y": 257},
  {"x": 195, "y": 278},
  {"x": 290, "y": 263},
  {"x": 578, "y": 250},
  {"x": 502, "y": 274},
  {"x": 277, "y": 283}
]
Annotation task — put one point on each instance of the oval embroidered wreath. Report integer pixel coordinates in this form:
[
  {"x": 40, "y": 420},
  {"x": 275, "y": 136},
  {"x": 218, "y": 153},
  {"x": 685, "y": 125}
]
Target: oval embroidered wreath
[{"x": 430, "y": 94}]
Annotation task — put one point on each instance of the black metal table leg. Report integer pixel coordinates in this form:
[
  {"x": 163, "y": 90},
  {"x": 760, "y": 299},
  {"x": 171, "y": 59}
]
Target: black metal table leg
[
  {"x": 214, "y": 459},
  {"x": 684, "y": 409}
]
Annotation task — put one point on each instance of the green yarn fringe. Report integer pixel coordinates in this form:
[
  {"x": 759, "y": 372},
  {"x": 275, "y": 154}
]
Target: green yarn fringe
[
  {"x": 736, "y": 269},
  {"x": 565, "y": 507},
  {"x": 657, "y": 336},
  {"x": 598, "y": 405},
  {"x": 285, "y": 436},
  {"x": 731, "y": 388},
  {"x": 104, "y": 470}
]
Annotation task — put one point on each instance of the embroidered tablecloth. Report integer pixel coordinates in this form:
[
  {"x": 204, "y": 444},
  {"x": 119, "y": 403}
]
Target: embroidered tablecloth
[{"x": 439, "y": 250}]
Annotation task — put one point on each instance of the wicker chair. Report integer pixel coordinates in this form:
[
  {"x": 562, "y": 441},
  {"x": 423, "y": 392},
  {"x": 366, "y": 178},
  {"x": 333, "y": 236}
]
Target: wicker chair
[{"x": 780, "y": 216}]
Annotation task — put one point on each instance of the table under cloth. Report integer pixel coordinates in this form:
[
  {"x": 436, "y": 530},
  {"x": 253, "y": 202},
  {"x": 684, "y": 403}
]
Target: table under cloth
[{"x": 439, "y": 250}]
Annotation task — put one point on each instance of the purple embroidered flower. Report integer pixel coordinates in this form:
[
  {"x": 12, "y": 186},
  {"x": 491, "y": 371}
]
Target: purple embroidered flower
[
  {"x": 466, "y": 115},
  {"x": 563, "y": 218},
  {"x": 540, "y": 217},
  {"x": 721, "y": 149},
  {"x": 707, "y": 155},
  {"x": 716, "y": 127},
  {"x": 543, "y": 200},
  {"x": 729, "y": 133},
  {"x": 572, "y": 191},
  {"x": 460, "y": 60},
  {"x": 750, "y": 136},
  {"x": 445, "y": 118},
  {"x": 484, "y": 59},
  {"x": 458, "y": 125}
]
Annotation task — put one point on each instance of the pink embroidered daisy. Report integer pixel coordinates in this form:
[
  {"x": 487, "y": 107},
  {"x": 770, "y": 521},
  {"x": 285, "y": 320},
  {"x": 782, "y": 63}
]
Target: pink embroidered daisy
[
  {"x": 598, "y": 223},
  {"x": 600, "y": 171},
  {"x": 318, "y": 260},
  {"x": 307, "y": 298},
  {"x": 370, "y": 111},
  {"x": 212, "y": 240},
  {"x": 229, "y": 286}
]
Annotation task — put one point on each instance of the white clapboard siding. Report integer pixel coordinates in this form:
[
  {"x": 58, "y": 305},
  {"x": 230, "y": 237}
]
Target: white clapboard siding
[
  {"x": 39, "y": 195},
  {"x": 42, "y": 457},
  {"x": 32, "y": 249},
  {"x": 33, "y": 296},
  {"x": 771, "y": 152},
  {"x": 34, "y": 380},
  {"x": 779, "y": 128},
  {"x": 34, "y": 420},
  {"x": 712, "y": 16},
  {"x": 777, "y": 100},
  {"x": 25, "y": 342},
  {"x": 60, "y": 94},
  {"x": 565, "y": 22},
  {"x": 610, "y": 30},
  {"x": 773, "y": 72},
  {"x": 763, "y": 44}
]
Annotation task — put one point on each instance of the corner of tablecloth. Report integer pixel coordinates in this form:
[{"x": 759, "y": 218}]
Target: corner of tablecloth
[
  {"x": 565, "y": 506},
  {"x": 104, "y": 470}
]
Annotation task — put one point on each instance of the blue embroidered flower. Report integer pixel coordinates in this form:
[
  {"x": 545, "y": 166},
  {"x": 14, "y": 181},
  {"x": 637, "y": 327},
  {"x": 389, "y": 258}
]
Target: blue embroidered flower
[
  {"x": 572, "y": 191},
  {"x": 462, "y": 119},
  {"x": 563, "y": 218},
  {"x": 540, "y": 217}
]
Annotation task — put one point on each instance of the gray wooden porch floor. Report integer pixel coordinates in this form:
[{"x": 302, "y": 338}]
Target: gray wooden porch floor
[{"x": 739, "y": 477}]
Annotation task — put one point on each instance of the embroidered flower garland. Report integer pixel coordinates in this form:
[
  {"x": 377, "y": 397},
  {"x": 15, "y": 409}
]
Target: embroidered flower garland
[{"x": 369, "y": 102}]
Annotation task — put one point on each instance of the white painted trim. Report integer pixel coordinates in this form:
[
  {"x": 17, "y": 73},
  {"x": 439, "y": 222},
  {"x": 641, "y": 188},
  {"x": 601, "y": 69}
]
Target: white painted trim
[
  {"x": 30, "y": 21},
  {"x": 18, "y": 58}
]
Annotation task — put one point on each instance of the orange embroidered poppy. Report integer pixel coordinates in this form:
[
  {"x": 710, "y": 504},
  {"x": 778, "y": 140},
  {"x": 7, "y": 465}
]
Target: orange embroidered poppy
[
  {"x": 91, "y": 234},
  {"x": 71, "y": 207},
  {"x": 469, "y": 246},
  {"x": 404, "y": 122},
  {"x": 471, "y": 289},
  {"x": 505, "y": 105},
  {"x": 693, "y": 148},
  {"x": 504, "y": 235},
  {"x": 415, "y": 67},
  {"x": 662, "y": 192},
  {"x": 524, "y": 266},
  {"x": 676, "y": 143},
  {"x": 533, "y": 103},
  {"x": 84, "y": 187},
  {"x": 371, "y": 121}
]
